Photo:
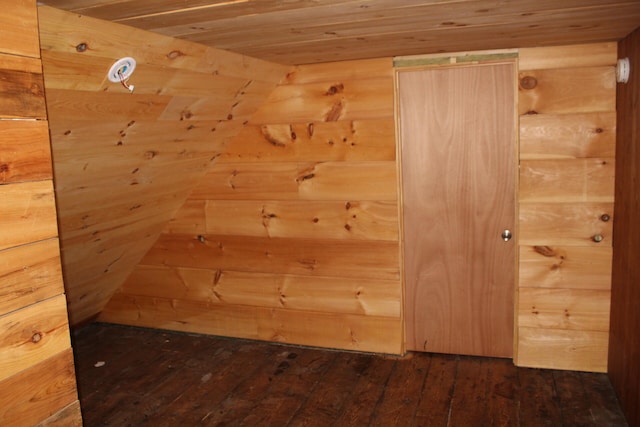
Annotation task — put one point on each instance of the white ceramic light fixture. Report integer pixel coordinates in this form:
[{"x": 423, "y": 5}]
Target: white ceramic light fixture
[{"x": 121, "y": 70}]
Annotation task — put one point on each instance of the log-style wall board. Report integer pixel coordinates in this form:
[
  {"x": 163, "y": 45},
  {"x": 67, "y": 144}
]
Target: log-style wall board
[
  {"x": 567, "y": 101},
  {"x": 37, "y": 379},
  {"x": 125, "y": 162}
]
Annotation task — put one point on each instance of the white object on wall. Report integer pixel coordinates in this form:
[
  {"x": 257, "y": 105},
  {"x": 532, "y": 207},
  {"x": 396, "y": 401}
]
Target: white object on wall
[
  {"x": 121, "y": 70},
  {"x": 623, "y": 70}
]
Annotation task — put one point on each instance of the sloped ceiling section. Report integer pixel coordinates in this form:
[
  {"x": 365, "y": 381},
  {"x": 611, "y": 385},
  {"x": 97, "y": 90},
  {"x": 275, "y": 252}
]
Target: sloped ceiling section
[
  {"x": 125, "y": 162},
  {"x": 312, "y": 31}
]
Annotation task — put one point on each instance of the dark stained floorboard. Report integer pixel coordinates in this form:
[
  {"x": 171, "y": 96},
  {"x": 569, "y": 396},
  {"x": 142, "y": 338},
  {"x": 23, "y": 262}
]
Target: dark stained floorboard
[{"x": 159, "y": 378}]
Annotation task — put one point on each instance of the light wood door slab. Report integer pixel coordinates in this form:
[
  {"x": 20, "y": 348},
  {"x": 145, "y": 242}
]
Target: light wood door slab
[{"x": 457, "y": 129}]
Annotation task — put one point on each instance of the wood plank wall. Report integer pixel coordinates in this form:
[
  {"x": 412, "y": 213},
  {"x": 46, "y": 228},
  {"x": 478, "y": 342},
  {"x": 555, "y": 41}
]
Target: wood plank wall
[
  {"x": 37, "y": 378},
  {"x": 624, "y": 342},
  {"x": 125, "y": 162},
  {"x": 293, "y": 234},
  {"x": 567, "y": 164}
]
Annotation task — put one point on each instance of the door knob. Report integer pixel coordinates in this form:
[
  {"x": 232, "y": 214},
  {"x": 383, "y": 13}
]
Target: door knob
[{"x": 506, "y": 235}]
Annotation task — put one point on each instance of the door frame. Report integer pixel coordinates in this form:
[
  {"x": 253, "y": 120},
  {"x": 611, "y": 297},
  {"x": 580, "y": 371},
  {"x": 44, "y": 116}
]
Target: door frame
[{"x": 450, "y": 60}]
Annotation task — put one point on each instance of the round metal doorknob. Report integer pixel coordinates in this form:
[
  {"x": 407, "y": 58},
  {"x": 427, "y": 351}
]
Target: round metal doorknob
[{"x": 506, "y": 235}]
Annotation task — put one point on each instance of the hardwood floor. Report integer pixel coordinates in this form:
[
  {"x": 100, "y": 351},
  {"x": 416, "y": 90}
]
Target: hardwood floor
[{"x": 159, "y": 378}]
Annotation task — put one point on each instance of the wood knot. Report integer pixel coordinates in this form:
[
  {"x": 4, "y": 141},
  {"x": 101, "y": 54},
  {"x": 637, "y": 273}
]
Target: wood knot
[
  {"x": 82, "y": 47},
  {"x": 4, "y": 167},
  {"x": 334, "y": 113},
  {"x": 528, "y": 82},
  {"x": 150, "y": 154},
  {"x": 599, "y": 130},
  {"x": 36, "y": 338},
  {"x": 174, "y": 54},
  {"x": 333, "y": 89},
  {"x": 545, "y": 251}
]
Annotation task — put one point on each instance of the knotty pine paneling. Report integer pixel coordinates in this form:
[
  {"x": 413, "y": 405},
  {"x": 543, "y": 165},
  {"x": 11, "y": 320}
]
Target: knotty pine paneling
[
  {"x": 293, "y": 234},
  {"x": 21, "y": 87},
  {"x": 30, "y": 273},
  {"x": 335, "y": 330},
  {"x": 568, "y": 136},
  {"x": 22, "y": 403},
  {"x": 567, "y": 171},
  {"x": 125, "y": 162},
  {"x": 25, "y": 154},
  {"x": 565, "y": 267},
  {"x": 27, "y": 214},
  {"x": 624, "y": 342},
  {"x": 19, "y": 23},
  {"x": 32, "y": 334},
  {"x": 362, "y": 296},
  {"x": 37, "y": 377}
]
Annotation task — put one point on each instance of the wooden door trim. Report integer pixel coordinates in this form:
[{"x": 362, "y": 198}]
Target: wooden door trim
[{"x": 488, "y": 58}]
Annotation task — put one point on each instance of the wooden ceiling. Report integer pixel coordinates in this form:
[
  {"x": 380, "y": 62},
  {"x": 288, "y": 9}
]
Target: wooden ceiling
[{"x": 310, "y": 31}]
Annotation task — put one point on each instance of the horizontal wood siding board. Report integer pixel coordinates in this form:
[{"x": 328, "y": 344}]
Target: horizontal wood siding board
[
  {"x": 25, "y": 154},
  {"x": 565, "y": 267},
  {"x": 328, "y": 101},
  {"x": 574, "y": 56},
  {"x": 33, "y": 334},
  {"x": 361, "y": 333},
  {"x": 19, "y": 23},
  {"x": 375, "y": 181},
  {"x": 575, "y": 309},
  {"x": 189, "y": 219},
  {"x": 303, "y": 219},
  {"x": 29, "y": 274},
  {"x": 567, "y": 136},
  {"x": 565, "y": 180},
  {"x": 64, "y": 104},
  {"x": 21, "y": 94},
  {"x": 567, "y": 90},
  {"x": 21, "y": 403},
  {"x": 351, "y": 70},
  {"x": 370, "y": 297},
  {"x": 563, "y": 349},
  {"x": 27, "y": 214},
  {"x": 570, "y": 224},
  {"x": 344, "y": 258},
  {"x": 358, "y": 140}
]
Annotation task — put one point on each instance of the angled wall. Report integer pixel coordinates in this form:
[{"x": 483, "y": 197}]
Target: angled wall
[
  {"x": 125, "y": 162},
  {"x": 293, "y": 235}
]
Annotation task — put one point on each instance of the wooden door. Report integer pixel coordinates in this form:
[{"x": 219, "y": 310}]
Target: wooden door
[{"x": 458, "y": 144}]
